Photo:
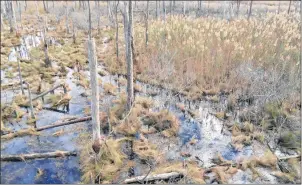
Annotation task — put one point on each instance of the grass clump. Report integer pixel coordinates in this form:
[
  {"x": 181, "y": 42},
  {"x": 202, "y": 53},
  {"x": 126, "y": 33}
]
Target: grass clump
[
  {"x": 145, "y": 150},
  {"x": 163, "y": 121},
  {"x": 104, "y": 166},
  {"x": 110, "y": 89},
  {"x": 190, "y": 170}
]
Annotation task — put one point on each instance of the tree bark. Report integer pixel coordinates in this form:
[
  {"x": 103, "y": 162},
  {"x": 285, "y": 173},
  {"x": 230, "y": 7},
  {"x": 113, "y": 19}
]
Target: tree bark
[
  {"x": 22, "y": 157},
  {"x": 250, "y": 11},
  {"x": 130, "y": 97}
]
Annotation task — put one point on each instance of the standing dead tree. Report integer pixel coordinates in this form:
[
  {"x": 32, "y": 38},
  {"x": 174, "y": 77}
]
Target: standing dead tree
[
  {"x": 147, "y": 17},
  {"x": 12, "y": 17},
  {"x": 250, "y": 11},
  {"x": 128, "y": 16},
  {"x": 47, "y": 59},
  {"x": 96, "y": 129},
  {"x": 98, "y": 16},
  {"x": 45, "y": 6},
  {"x": 66, "y": 16},
  {"x": 116, "y": 30},
  {"x": 290, "y": 3}
]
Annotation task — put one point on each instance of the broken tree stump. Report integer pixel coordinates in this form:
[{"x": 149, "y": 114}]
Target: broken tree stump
[
  {"x": 22, "y": 157},
  {"x": 50, "y": 90},
  {"x": 144, "y": 178}
]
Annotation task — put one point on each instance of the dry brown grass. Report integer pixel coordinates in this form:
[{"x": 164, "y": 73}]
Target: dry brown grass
[
  {"x": 190, "y": 170},
  {"x": 106, "y": 164},
  {"x": 20, "y": 133},
  {"x": 110, "y": 89}
]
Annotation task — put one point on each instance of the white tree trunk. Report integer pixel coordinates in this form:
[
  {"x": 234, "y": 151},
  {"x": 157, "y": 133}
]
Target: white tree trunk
[
  {"x": 66, "y": 14},
  {"x": 130, "y": 97},
  {"x": 95, "y": 90}
]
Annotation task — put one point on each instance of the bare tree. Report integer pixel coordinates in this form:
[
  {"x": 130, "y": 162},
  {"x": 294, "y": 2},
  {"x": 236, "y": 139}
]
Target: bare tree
[
  {"x": 73, "y": 32},
  {"x": 238, "y": 6},
  {"x": 12, "y": 17},
  {"x": 98, "y": 16},
  {"x": 184, "y": 7},
  {"x": 290, "y": 3},
  {"x": 96, "y": 129},
  {"x": 116, "y": 31},
  {"x": 130, "y": 97},
  {"x": 66, "y": 15},
  {"x": 20, "y": 76},
  {"x": 47, "y": 60},
  {"x": 25, "y": 5},
  {"x": 45, "y": 7},
  {"x": 37, "y": 10},
  {"x": 250, "y": 11},
  {"x": 147, "y": 17},
  {"x": 164, "y": 10},
  {"x": 157, "y": 9}
]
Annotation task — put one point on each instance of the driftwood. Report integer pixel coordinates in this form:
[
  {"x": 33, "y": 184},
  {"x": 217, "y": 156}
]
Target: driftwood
[
  {"x": 22, "y": 157},
  {"x": 163, "y": 176}
]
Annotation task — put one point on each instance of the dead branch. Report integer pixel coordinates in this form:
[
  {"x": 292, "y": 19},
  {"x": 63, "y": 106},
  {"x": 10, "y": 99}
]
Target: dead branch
[
  {"x": 144, "y": 178},
  {"x": 22, "y": 157}
]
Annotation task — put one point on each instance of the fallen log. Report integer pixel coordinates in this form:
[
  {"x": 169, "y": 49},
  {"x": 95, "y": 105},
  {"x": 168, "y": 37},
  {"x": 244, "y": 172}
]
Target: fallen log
[
  {"x": 50, "y": 90},
  {"x": 87, "y": 118},
  {"x": 23, "y": 157},
  {"x": 289, "y": 157},
  {"x": 32, "y": 130},
  {"x": 163, "y": 176}
]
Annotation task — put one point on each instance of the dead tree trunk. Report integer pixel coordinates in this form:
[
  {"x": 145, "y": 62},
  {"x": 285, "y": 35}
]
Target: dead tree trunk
[
  {"x": 157, "y": 9},
  {"x": 250, "y": 11},
  {"x": 47, "y": 60},
  {"x": 290, "y": 3},
  {"x": 164, "y": 10},
  {"x": 20, "y": 12},
  {"x": 25, "y": 5},
  {"x": 45, "y": 7},
  {"x": 66, "y": 21},
  {"x": 63, "y": 123},
  {"x": 130, "y": 97},
  {"x": 30, "y": 101},
  {"x": 98, "y": 16},
  {"x": 12, "y": 17},
  {"x": 147, "y": 17},
  {"x": 22, "y": 157},
  {"x": 37, "y": 10},
  {"x": 156, "y": 177},
  {"x": 238, "y": 6},
  {"x": 96, "y": 129},
  {"x": 20, "y": 76},
  {"x": 73, "y": 33},
  {"x": 184, "y": 7},
  {"x": 116, "y": 31},
  {"x": 278, "y": 8}
]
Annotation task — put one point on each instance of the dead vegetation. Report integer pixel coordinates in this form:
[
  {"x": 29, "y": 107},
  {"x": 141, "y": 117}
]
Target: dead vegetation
[
  {"x": 23, "y": 132},
  {"x": 104, "y": 166}
]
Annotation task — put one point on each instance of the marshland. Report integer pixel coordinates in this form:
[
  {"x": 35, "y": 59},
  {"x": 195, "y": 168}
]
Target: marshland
[{"x": 123, "y": 92}]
